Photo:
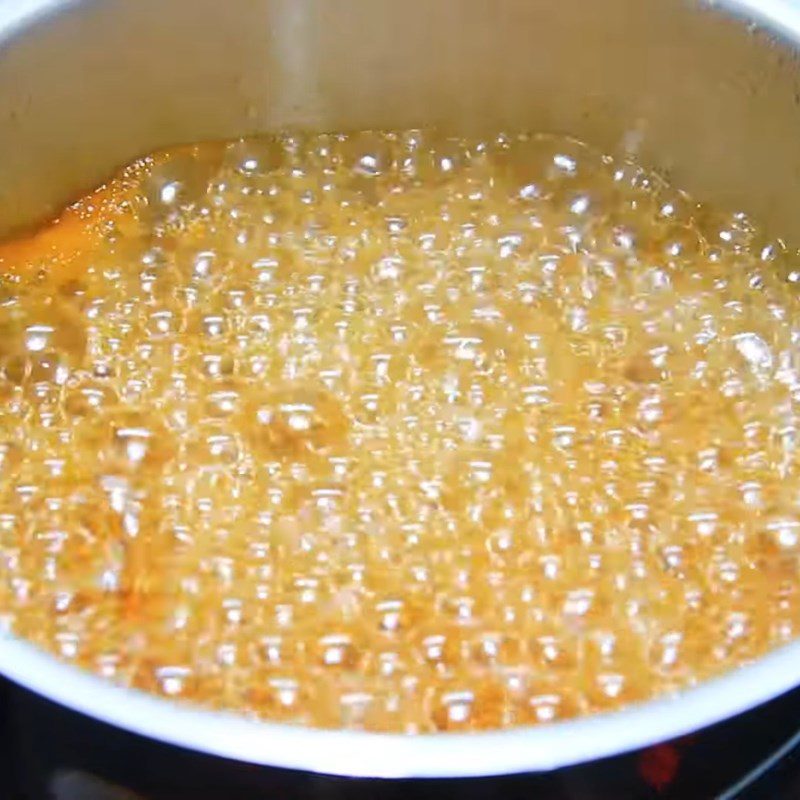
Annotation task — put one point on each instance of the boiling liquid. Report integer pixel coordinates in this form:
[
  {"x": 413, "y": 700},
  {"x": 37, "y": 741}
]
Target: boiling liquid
[{"x": 399, "y": 432}]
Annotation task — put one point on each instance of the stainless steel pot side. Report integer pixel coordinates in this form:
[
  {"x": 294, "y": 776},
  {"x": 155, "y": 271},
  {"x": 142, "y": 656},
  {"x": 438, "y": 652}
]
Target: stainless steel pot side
[{"x": 710, "y": 95}]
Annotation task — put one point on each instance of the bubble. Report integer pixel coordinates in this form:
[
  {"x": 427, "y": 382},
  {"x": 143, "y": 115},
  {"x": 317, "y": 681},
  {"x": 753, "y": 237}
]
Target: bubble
[
  {"x": 551, "y": 704},
  {"x": 128, "y": 440},
  {"x": 48, "y": 367},
  {"x": 172, "y": 680},
  {"x": 368, "y": 154},
  {"x": 755, "y": 351},
  {"x": 213, "y": 446},
  {"x": 224, "y": 401},
  {"x": 295, "y": 423},
  {"x": 253, "y": 158},
  {"x": 162, "y": 324},
  {"x": 11, "y": 457}
]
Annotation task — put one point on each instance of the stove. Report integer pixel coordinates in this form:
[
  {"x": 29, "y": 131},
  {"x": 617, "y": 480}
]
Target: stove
[{"x": 49, "y": 753}]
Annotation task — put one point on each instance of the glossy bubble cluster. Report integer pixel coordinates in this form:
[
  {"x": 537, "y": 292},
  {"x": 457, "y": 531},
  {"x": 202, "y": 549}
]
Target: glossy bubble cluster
[{"x": 400, "y": 432}]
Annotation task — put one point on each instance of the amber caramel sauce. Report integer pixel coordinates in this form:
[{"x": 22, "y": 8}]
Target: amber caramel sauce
[{"x": 399, "y": 432}]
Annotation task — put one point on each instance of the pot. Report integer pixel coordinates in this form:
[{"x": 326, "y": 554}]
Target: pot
[{"x": 709, "y": 94}]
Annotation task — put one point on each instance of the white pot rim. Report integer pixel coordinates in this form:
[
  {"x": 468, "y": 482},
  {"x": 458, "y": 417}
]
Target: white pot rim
[{"x": 360, "y": 754}]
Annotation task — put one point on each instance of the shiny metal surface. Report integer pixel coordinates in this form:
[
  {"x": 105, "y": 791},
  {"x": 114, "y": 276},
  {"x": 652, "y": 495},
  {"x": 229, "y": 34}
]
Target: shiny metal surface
[
  {"x": 713, "y": 102},
  {"x": 709, "y": 95}
]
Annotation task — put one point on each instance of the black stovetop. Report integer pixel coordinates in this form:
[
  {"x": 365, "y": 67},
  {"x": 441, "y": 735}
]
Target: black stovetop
[{"x": 48, "y": 752}]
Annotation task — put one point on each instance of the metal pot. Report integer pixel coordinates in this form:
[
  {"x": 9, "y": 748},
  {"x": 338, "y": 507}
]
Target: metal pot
[{"x": 708, "y": 94}]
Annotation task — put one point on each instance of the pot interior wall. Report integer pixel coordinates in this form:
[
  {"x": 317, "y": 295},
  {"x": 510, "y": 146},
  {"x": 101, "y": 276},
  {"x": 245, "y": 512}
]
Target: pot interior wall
[{"x": 86, "y": 86}]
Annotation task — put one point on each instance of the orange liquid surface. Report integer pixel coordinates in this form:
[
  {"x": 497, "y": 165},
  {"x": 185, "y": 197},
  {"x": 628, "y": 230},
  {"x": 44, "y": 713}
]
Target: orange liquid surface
[{"x": 399, "y": 432}]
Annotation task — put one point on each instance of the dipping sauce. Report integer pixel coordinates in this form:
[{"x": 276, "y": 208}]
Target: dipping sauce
[{"x": 399, "y": 432}]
